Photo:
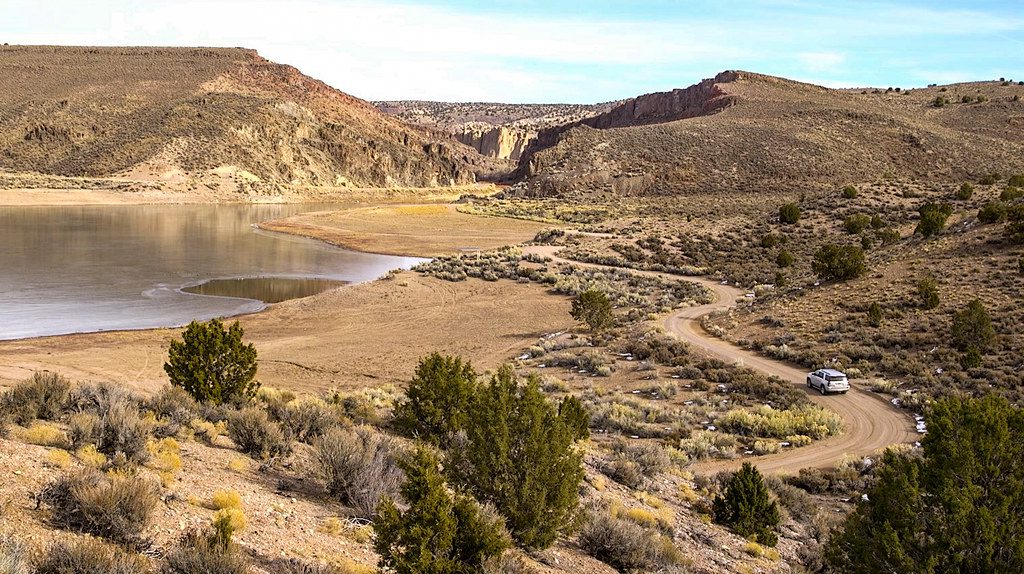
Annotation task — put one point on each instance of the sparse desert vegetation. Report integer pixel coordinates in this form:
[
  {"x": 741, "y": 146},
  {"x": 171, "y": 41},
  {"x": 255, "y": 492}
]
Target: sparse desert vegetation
[{"x": 544, "y": 393}]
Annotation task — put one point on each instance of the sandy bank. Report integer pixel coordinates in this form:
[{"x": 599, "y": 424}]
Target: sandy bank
[
  {"x": 364, "y": 335},
  {"x": 418, "y": 230}
]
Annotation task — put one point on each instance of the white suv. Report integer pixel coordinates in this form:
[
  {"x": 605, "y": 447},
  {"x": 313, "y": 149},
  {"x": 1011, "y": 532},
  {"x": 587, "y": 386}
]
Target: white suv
[{"x": 828, "y": 381}]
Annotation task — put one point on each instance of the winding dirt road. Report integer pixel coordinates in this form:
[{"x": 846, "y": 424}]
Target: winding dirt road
[{"x": 870, "y": 422}]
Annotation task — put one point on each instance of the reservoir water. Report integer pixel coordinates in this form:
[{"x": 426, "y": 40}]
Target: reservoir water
[{"x": 69, "y": 269}]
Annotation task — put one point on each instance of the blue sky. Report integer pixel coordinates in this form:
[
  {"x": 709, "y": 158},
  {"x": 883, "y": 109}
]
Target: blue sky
[{"x": 559, "y": 51}]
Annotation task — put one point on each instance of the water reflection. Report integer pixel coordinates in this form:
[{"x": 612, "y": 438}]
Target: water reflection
[
  {"x": 66, "y": 269},
  {"x": 266, "y": 289}
]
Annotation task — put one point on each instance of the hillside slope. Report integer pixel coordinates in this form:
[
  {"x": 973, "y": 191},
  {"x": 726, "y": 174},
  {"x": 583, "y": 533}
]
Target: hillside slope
[
  {"x": 176, "y": 112},
  {"x": 745, "y": 131}
]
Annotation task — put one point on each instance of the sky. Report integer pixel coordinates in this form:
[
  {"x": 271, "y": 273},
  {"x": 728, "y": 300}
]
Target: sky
[{"x": 572, "y": 51}]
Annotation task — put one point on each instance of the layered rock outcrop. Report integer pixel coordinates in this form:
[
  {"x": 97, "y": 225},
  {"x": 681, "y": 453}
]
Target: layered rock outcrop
[{"x": 496, "y": 141}]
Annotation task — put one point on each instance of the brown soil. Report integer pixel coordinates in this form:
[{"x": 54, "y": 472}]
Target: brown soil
[{"x": 415, "y": 230}]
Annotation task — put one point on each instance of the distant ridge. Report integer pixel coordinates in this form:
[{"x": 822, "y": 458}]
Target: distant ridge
[
  {"x": 174, "y": 113},
  {"x": 748, "y": 131}
]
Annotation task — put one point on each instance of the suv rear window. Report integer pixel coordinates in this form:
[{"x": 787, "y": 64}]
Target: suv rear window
[{"x": 835, "y": 378}]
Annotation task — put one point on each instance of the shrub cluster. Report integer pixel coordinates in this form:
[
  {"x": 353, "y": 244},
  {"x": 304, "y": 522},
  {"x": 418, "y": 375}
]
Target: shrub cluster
[
  {"x": 117, "y": 508},
  {"x": 256, "y": 435},
  {"x": 625, "y": 545},
  {"x": 43, "y": 396},
  {"x": 764, "y": 421},
  {"x": 358, "y": 466}
]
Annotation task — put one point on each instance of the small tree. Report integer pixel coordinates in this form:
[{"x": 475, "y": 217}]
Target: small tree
[
  {"x": 854, "y": 224},
  {"x": 212, "y": 363},
  {"x": 965, "y": 192},
  {"x": 992, "y": 212},
  {"x": 593, "y": 308},
  {"x": 972, "y": 328},
  {"x": 520, "y": 455},
  {"x": 747, "y": 508},
  {"x": 437, "y": 399},
  {"x": 438, "y": 533},
  {"x": 928, "y": 292},
  {"x": 839, "y": 262},
  {"x": 933, "y": 218},
  {"x": 784, "y": 259},
  {"x": 1015, "y": 224},
  {"x": 849, "y": 192},
  {"x": 875, "y": 315},
  {"x": 954, "y": 509},
  {"x": 789, "y": 213}
]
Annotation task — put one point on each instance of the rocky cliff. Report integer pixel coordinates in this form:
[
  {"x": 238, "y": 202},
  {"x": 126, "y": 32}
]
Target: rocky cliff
[
  {"x": 496, "y": 141},
  {"x": 191, "y": 112},
  {"x": 500, "y": 131}
]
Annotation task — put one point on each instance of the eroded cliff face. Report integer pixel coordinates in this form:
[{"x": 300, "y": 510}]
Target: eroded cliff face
[
  {"x": 496, "y": 141},
  {"x": 701, "y": 99}
]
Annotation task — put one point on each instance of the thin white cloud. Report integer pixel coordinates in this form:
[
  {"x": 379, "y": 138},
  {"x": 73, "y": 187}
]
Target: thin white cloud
[
  {"x": 391, "y": 49},
  {"x": 821, "y": 61}
]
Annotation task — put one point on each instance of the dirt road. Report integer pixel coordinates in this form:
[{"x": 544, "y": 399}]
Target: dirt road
[{"x": 870, "y": 422}]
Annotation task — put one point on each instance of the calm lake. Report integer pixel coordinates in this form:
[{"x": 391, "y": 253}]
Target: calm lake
[{"x": 72, "y": 269}]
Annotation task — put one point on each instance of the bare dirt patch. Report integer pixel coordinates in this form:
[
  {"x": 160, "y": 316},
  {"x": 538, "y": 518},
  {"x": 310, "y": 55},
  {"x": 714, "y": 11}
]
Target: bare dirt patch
[{"x": 424, "y": 230}]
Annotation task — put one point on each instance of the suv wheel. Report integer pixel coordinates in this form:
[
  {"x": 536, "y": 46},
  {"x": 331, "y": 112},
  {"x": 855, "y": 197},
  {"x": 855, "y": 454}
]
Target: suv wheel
[{"x": 822, "y": 389}]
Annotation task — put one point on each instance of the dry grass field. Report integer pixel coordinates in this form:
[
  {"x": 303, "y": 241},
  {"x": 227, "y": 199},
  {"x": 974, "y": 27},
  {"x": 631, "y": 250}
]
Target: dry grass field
[{"x": 421, "y": 230}]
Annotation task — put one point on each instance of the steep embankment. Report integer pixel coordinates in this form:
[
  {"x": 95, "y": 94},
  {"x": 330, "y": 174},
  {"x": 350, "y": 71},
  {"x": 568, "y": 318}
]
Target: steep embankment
[
  {"x": 174, "y": 113},
  {"x": 748, "y": 131}
]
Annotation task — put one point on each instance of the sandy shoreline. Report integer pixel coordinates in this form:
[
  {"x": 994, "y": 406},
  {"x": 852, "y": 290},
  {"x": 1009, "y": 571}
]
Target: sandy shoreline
[{"x": 174, "y": 194}]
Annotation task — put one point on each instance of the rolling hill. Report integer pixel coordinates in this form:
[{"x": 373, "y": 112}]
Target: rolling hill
[
  {"x": 746, "y": 131},
  {"x": 172, "y": 113}
]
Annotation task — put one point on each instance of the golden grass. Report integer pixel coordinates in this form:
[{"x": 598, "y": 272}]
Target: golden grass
[
  {"x": 226, "y": 499},
  {"x": 43, "y": 434},
  {"x": 91, "y": 457},
  {"x": 59, "y": 458},
  {"x": 164, "y": 458},
  {"x": 234, "y": 515},
  {"x": 238, "y": 464}
]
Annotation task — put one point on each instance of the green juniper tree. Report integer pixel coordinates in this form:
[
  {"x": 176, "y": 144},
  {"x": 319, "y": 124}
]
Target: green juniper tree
[
  {"x": 747, "y": 508},
  {"x": 928, "y": 291},
  {"x": 957, "y": 508},
  {"x": 838, "y": 262},
  {"x": 520, "y": 455},
  {"x": 875, "y": 315},
  {"x": 437, "y": 399},
  {"x": 439, "y": 532},
  {"x": 212, "y": 363},
  {"x": 593, "y": 308},
  {"x": 933, "y": 218},
  {"x": 789, "y": 213}
]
